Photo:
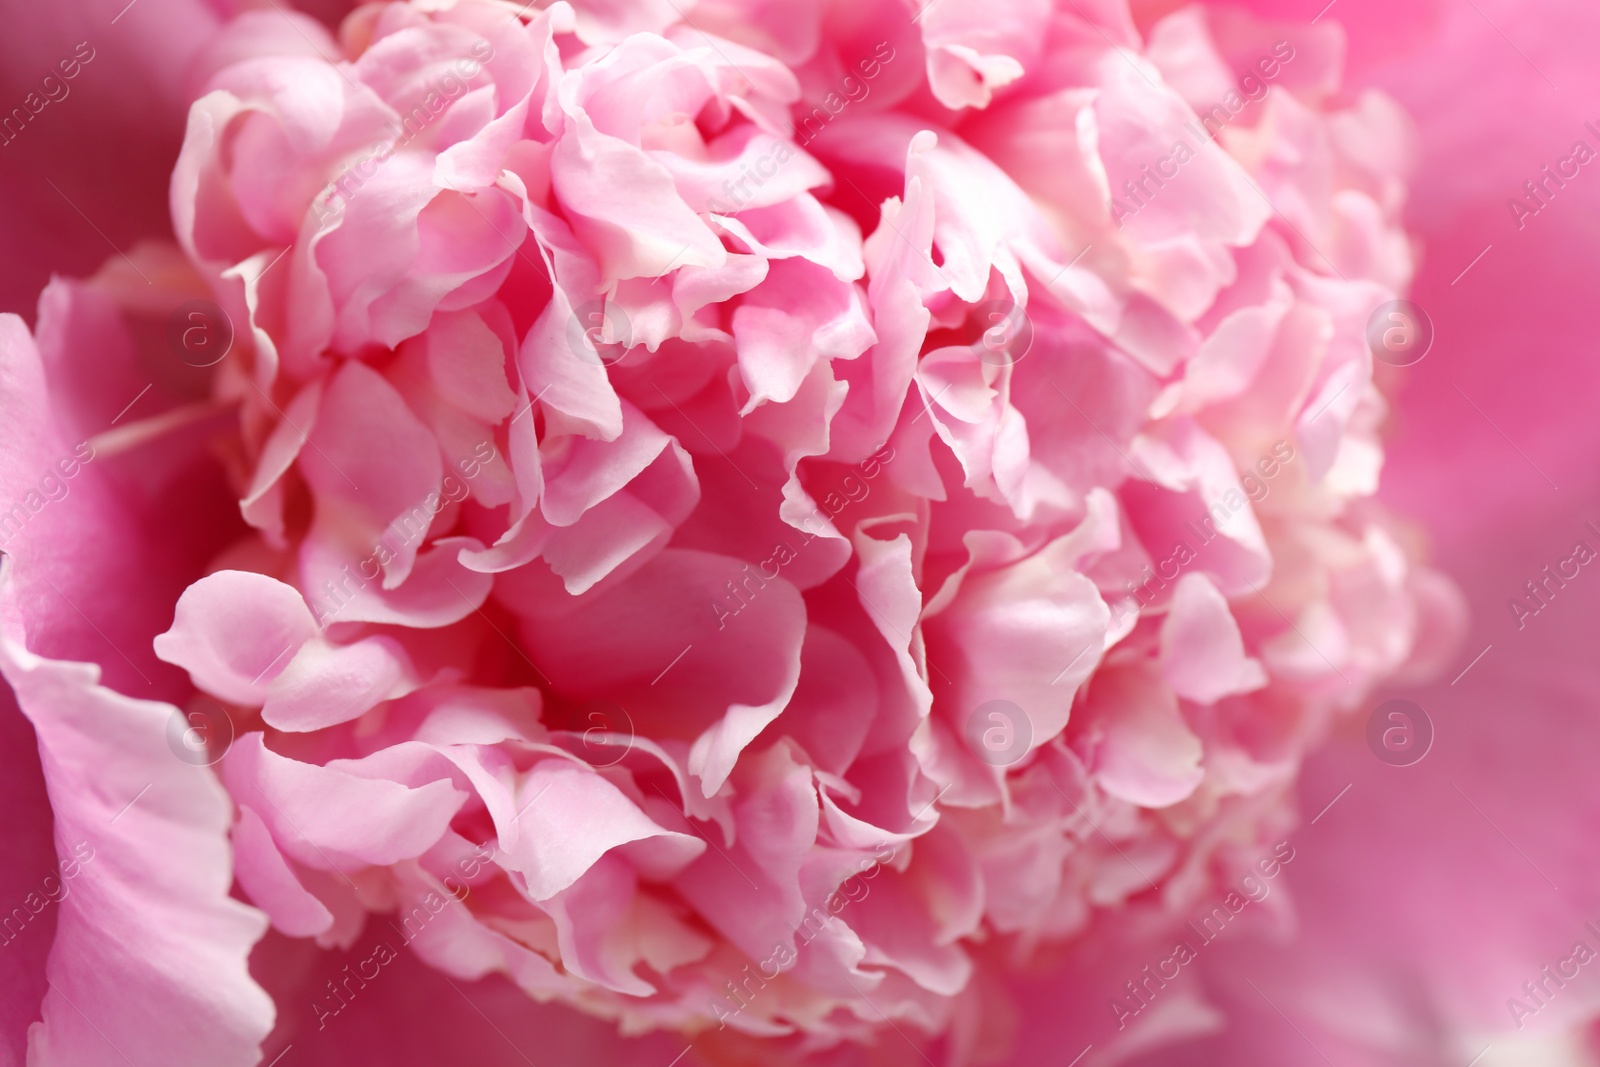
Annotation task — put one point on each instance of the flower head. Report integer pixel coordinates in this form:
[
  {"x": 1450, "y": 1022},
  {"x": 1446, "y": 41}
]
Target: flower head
[{"x": 755, "y": 519}]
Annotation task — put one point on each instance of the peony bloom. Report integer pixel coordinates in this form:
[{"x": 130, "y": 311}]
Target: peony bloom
[
  {"x": 1431, "y": 897},
  {"x": 760, "y": 525}
]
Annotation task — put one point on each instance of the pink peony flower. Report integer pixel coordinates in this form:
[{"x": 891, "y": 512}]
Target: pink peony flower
[
  {"x": 1432, "y": 897},
  {"x": 766, "y": 527}
]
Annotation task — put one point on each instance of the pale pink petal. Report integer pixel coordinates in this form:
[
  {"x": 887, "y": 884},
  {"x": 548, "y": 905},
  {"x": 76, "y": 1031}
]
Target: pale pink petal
[
  {"x": 1144, "y": 751},
  {"x": 571, "y": 817},
  {"x": 1202, "y": 651},
  {"x": 234, "y": 632},
  {"x": 149, "y": 925},
  {"x": 319, "y": 814}
]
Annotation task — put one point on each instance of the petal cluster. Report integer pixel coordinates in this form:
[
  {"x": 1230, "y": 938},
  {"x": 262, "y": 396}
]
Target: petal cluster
[{"x": 762, "y": 513}]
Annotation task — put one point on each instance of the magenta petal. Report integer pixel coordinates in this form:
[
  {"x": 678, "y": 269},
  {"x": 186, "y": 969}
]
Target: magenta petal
[{"x": 32, "y": 857}]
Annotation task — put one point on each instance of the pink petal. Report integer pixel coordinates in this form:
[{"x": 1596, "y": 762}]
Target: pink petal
[
  {"x": 1202, "y": 652},
  {"x": 326, "y": 684},
  {"x": 1147, "y": 754},
  {"x": 266, "y": 877},
  {"x": 571, "y": 817},
  {"x": 149, "y": 958},
  {"x": 235, "y": 631},
  {"x": 314, "y": 811}
]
